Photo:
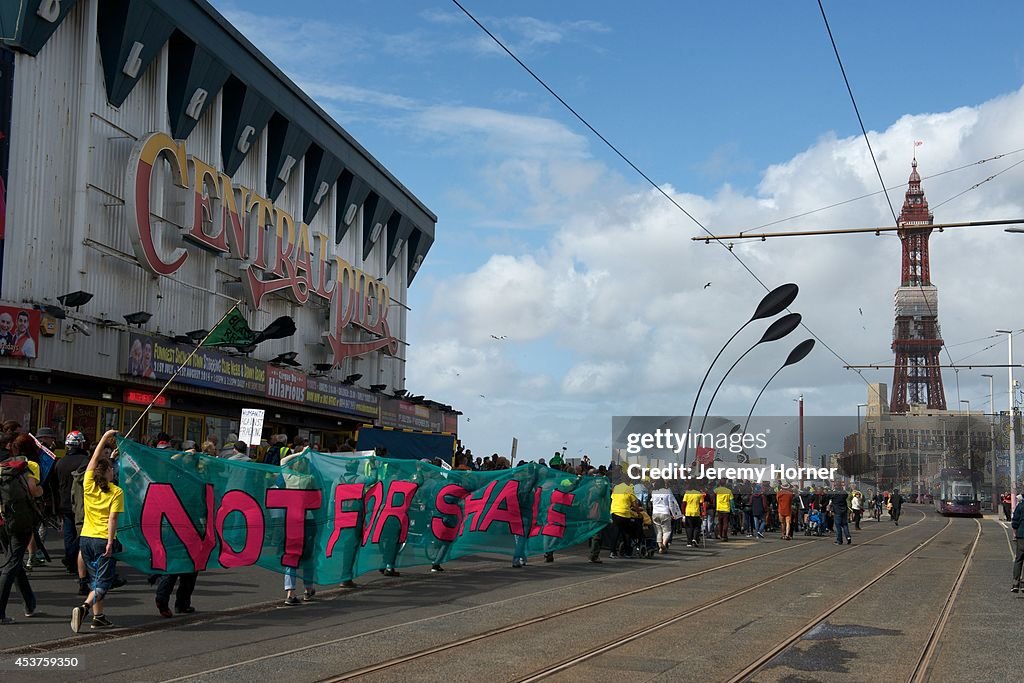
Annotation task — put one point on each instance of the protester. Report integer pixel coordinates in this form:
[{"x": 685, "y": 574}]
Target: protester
[
  {"x": 24, "y": 448},
  {"x": 623, "y": 513},
  {"x": 758, "y": 509},
  {"x": 723, "y": 508},
  {"x": 103, "y": 501},
  {"x": 278, "y": 450},
  {"x": 240, "y": 451},
  {"x": 784, "y": 497},
  {"x": 693, "y": 503},
  {"x": 296, "y": 473},
  {"x": 1004, "y": 501},
  {"x": 665, "y": 508},
  {"x": 75, "y": 457},
  {"x": 19, "y": 487}
]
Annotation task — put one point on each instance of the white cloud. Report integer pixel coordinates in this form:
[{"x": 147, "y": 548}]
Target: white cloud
[
  {"x": 502, "y": 132},
  {"x": 586, "y": 379},
  {"x": 352, "y": 94}
]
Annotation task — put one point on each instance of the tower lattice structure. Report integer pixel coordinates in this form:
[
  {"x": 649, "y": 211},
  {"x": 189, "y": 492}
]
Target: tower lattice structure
[{"x": 916, "y": 338}]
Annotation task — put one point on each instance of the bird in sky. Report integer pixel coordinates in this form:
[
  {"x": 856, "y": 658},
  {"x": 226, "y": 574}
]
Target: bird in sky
[
  {"x": 861, "y": 311},
  {"x": 499, "y": 338},
  {"x": 482, "y": 396},
  {"x": 707, "y": 285}
]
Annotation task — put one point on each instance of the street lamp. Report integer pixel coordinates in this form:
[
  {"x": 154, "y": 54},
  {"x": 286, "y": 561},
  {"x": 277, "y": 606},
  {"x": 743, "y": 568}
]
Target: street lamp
[
  {"x": 1013, "y": 410},
  {"x": 777, "y": 330},
  {"x": 795, "y": 356},
  {"x": 773, "y": 303},
  {"x": 970, "y": 458},
  {"x": 992, "y": 437},
  {"x": 859, "y": 406}
]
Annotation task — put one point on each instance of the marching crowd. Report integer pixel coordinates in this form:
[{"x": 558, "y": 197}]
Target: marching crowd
[
  {"x": 80, "y": 493},
  {"x": 739, "y": 508}
]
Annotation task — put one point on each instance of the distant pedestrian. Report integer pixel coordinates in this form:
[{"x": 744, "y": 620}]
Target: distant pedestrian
[
  {"x": 1017, "y": 522},
  {"x": 1005, "y": 502},
  {"x": 784, "y": 497},
  {"x": 857, "y": 508},
  {"x": 693, "y": 502},
  {"x": 758, "y": 510},
  {"x": 723, "y": 508},
  {"x": 895, "y": 506},
  {"x": 841, "y": 516}
]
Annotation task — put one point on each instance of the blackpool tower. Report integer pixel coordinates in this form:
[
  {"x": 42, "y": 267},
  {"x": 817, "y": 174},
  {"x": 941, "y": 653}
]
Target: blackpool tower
[{"x": 916, "y": 338}]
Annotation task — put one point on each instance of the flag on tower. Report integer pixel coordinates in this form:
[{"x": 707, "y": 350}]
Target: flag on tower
[{"x": 918, "y": 143}]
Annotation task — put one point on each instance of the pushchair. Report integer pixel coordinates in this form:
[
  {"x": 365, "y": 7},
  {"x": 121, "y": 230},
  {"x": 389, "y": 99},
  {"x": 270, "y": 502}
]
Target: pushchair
[
  {"x": 646, "y": 543},
  {"x": 815, "y": 523}
]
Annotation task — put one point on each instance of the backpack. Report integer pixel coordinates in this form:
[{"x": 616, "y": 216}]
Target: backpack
[
  {"x": 19, "y": 512},
  {"x": 78, "y": 496}
]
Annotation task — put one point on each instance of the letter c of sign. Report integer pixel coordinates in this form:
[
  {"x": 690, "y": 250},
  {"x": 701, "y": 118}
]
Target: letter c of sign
[
  {"x": 49, "y": 10},
  {"x": 631, "y": 473},
  {"x": 145, "y": 155},
  {"x": 244, "y": 140}
]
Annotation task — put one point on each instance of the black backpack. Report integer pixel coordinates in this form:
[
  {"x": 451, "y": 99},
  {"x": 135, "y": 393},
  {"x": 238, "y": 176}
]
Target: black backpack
[{"x": 19, "y": 512}]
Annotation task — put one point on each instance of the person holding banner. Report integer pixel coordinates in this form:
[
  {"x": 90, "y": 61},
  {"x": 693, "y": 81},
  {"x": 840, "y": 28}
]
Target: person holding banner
[
  {"x": 103, "y": 501},
  {"x": 295, "y": 470}
]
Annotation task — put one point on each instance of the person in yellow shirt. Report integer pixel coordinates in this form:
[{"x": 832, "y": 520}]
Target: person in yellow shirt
[
  {"x": 691, "y": 510},
  {"x": 723, "y": 506},
  {"x": 103, "y": 500},
  {"x": 624, "y": 504}
]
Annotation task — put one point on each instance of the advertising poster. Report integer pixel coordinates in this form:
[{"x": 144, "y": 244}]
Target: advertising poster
[{"x": 19, "y": 332}]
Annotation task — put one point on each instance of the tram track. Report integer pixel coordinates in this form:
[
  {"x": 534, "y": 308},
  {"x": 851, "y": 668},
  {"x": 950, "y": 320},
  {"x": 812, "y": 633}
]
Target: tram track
[
  {"x": 462, "y": 611},
  {"x": 645, "y": 631},
  {"x": 476, "y": 638},
  {"x": 920, "y": 672}
]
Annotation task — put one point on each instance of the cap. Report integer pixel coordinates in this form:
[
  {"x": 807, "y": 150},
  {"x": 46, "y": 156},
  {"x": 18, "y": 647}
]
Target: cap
[
  {"x": 188, "y": 445},
  {"x": 46, "y": 432},
  {"x": 241, "y": 447}
]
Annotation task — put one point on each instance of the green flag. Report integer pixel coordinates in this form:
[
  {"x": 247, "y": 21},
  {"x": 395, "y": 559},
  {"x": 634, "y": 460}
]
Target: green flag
[{"x": 233, "y": 330}]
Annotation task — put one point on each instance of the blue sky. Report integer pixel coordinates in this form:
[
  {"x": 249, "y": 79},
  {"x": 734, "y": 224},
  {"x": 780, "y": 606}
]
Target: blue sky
[{"x": 736, "y": 109}]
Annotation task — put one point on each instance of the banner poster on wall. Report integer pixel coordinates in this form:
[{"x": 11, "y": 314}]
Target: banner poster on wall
[
  {"x": 333, "y": 517},
  {"x": 19, "y": 332}
]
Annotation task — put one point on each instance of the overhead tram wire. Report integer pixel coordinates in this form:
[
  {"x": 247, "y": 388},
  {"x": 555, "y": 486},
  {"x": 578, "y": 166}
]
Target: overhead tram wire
[
  {"x": 979, "y": 184},
  {"x": 892, "y": 187},
  {"x": 856, "y": 110},
  {"x": 636, "y": 168},
  {"x": 895, "y": 219},
  {"x": 990, "y": 346}
]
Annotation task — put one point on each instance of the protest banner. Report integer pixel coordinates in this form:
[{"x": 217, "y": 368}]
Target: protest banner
[{"x": 333, "y": 517}]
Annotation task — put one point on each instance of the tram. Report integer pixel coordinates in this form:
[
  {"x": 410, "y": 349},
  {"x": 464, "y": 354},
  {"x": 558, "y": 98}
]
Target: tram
[{"x": 957, "y": 491}]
